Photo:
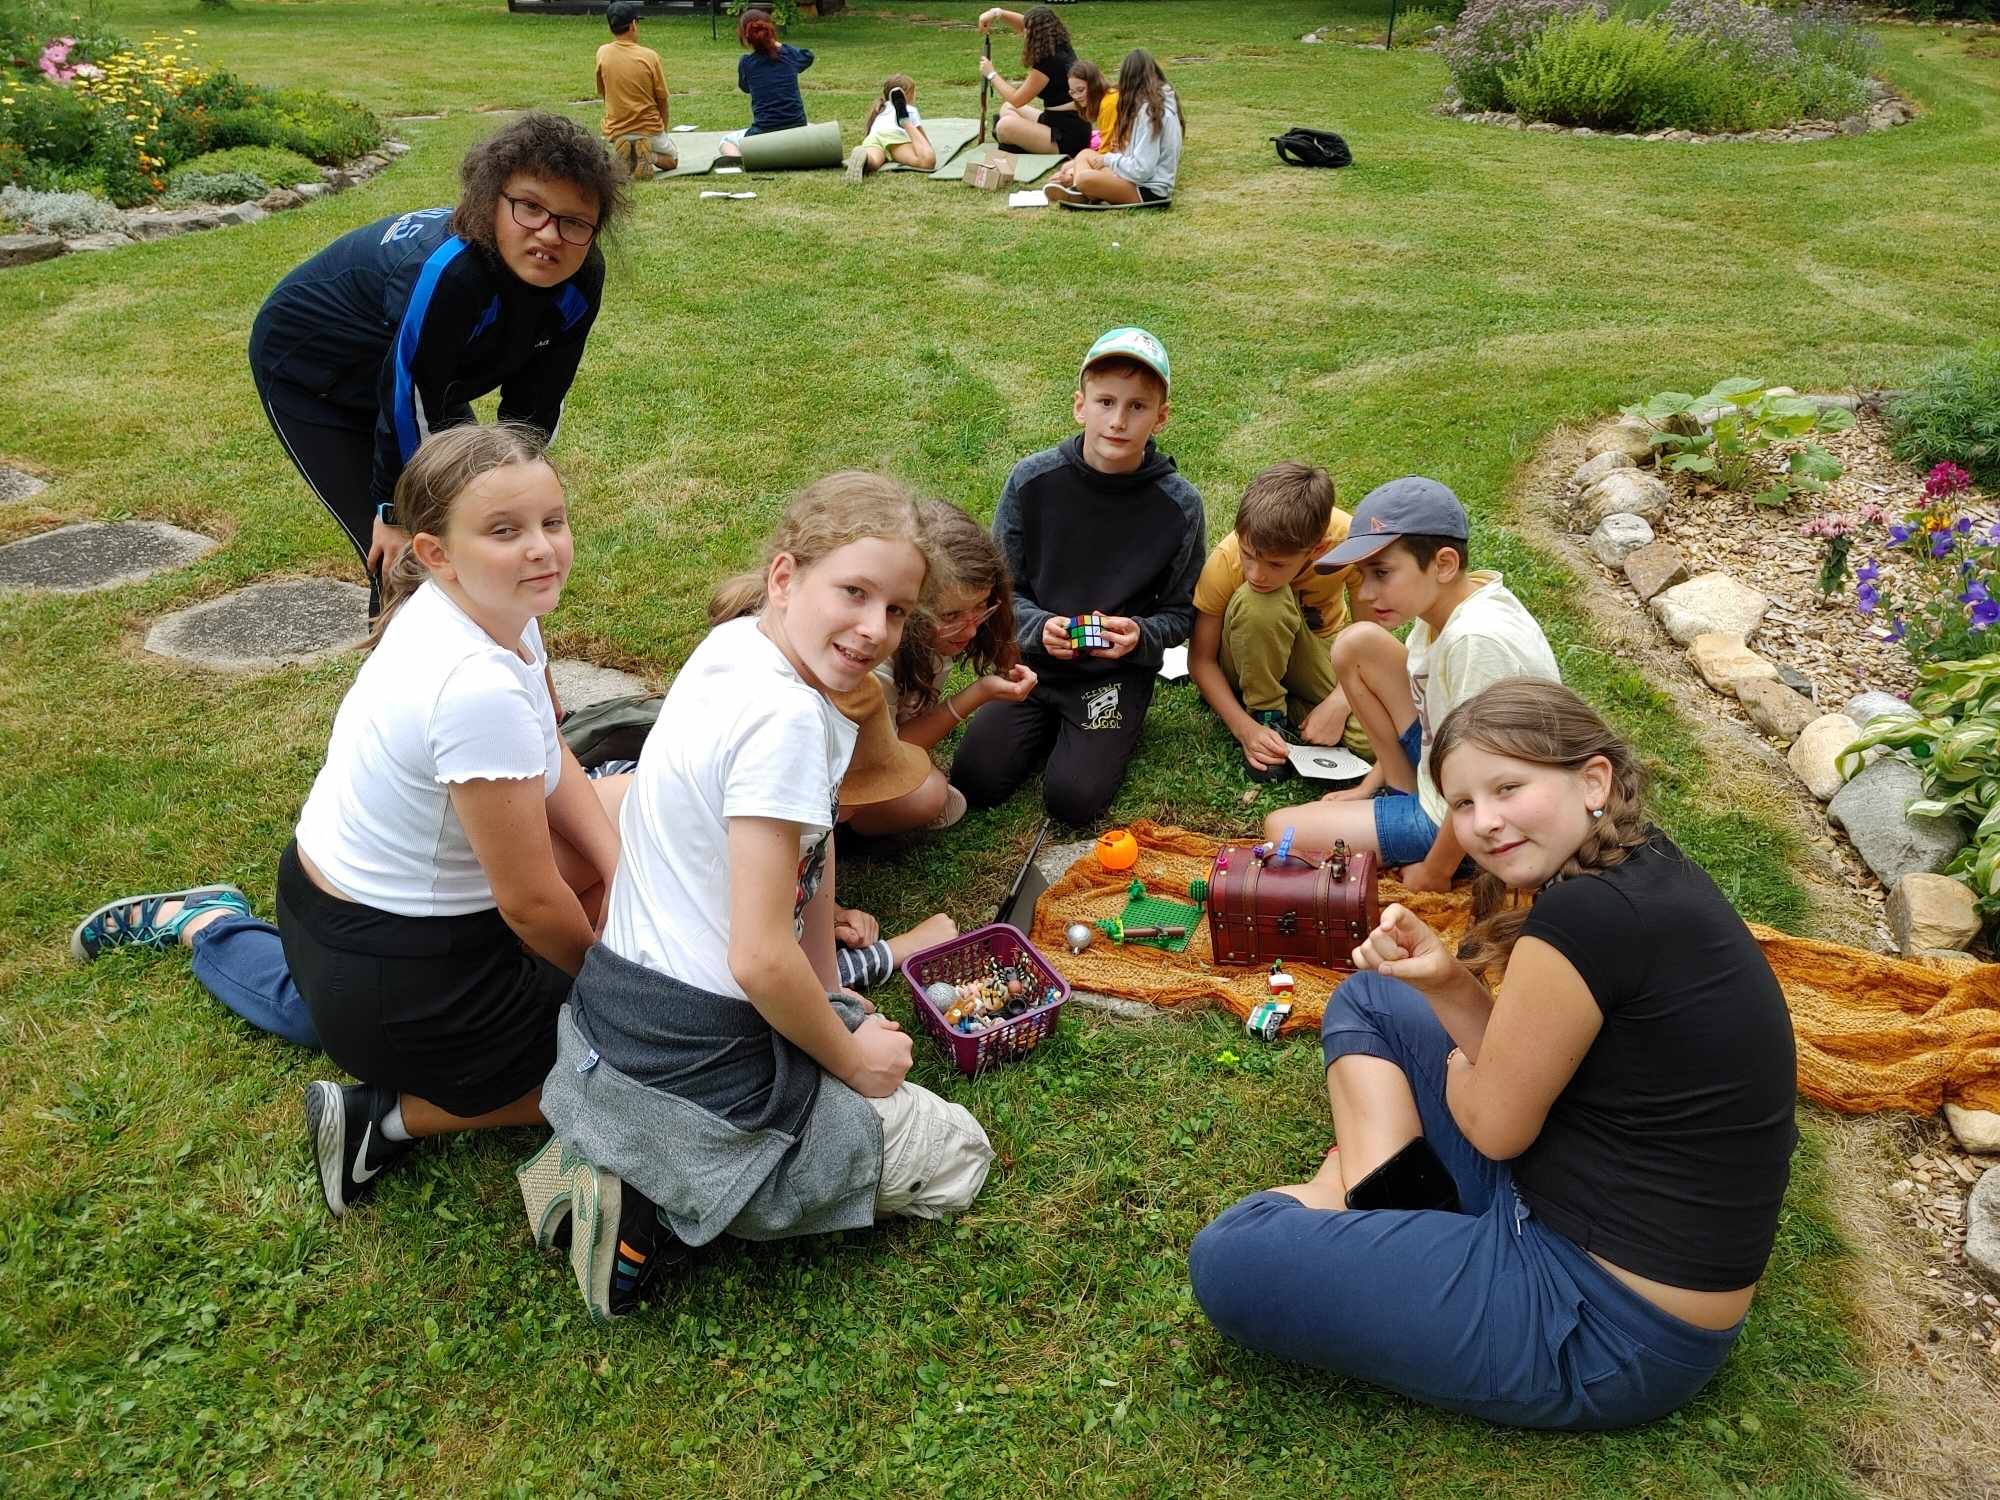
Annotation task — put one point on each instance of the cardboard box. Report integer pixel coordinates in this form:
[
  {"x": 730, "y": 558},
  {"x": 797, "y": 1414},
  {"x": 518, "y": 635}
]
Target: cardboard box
[{"x": 991, "y": 174}]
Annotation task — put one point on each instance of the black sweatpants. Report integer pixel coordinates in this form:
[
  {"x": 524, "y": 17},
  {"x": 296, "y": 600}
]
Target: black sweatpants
[{"x": 1084, "y": 728}]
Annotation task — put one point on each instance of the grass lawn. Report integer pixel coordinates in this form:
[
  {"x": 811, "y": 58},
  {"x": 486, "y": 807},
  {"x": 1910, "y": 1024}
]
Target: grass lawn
[{"x": 176, "y": 1310}]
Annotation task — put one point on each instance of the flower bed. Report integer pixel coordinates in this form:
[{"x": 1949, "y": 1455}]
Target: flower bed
[{"x": 1697, "y": 66}]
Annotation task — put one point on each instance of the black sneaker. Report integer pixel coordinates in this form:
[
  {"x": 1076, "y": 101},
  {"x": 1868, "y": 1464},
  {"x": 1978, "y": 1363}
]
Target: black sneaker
[
  {"x": 344, "y": 1133},
  {"x": 618, "y": 1245},
  {"x": 899, "y": 104},
  {"x": 1273, "y": 718}
]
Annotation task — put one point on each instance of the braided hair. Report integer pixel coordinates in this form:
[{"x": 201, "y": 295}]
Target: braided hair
[{"x": 1545, "y": 724}]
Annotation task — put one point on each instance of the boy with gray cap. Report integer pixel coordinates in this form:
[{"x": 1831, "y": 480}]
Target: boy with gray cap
[{"x": 1408, "y": 545}]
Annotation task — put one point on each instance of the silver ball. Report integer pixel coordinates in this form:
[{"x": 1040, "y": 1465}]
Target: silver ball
[
  {"x": 940, "y": 994},
  {"x": 1079, "y": 936}
]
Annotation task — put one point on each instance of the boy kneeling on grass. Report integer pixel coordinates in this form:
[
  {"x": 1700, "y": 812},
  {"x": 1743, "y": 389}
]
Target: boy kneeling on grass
[
  {"x": 1265, "y": 620},
  {"x": 1409, "y": 542}
]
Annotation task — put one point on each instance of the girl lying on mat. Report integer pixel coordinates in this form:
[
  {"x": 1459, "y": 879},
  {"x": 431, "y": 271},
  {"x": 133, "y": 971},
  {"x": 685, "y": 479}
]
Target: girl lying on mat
[
  {"x": 893, "y": 131},
  {"x": 1551, "y": 1201},
  {"x": 1142, "y": 155}
]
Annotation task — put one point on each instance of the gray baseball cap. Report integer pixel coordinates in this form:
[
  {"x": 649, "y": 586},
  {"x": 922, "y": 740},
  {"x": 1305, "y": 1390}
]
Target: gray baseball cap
[{"x": 1410, "y": 506}]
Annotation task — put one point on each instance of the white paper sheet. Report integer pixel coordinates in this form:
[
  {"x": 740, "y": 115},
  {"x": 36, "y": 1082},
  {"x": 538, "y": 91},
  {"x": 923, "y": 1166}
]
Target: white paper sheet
[
  {"x": 1327, "y": 762},
  {"x": 1173, "y": 663},
  {"x": 1027, "y": 198}
]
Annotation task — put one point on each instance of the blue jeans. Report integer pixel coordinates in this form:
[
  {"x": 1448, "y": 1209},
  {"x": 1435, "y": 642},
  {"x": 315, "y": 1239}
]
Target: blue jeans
[
  {"x": 1404, "y": 832},
  {"x": 1483, "y": 1312},
  {"x": 241, "y": 962}
]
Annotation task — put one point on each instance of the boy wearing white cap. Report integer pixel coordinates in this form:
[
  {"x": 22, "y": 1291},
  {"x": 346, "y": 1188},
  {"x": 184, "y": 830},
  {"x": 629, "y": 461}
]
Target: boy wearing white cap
[
  {"x": 1408, "y": 546},
  {"x": 1104, "y": 540}
]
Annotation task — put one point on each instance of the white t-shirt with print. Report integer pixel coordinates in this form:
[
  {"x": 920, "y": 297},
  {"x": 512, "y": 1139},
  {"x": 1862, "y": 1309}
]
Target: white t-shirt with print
[
  {"x": 1489, "y": 636},
  {"x": 741, "y": 735},
  {"x": 438, "y": 701}
]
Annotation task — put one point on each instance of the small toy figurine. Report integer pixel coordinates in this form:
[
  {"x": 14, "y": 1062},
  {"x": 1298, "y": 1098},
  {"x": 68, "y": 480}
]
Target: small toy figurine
[
  {"x": 1117, "y": 850},
  {"x": 1086, "y": 632},
  {"x": 1266, "y": 1018},
  {"x": 1281, "y": 983},
  {"x": 940, "y": 994},
  {"x": 1078, "y": 936}
]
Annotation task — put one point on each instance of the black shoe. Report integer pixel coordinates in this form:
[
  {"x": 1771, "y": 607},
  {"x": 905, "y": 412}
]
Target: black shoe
[
  {"x": 899, "y": 104},
  {"x": 645, "y": 1247},
  {"x": 1272, "y": 718},
  {"x": 344, "y": 1133}
]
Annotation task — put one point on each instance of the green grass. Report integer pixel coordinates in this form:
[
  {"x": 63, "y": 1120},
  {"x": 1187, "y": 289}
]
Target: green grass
[{"x": 176, "y": 1312}]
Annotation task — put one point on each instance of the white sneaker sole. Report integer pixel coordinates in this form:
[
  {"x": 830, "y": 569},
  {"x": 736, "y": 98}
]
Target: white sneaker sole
[
  {"x": 326, "y": 1124},
  {"x": 595, "y": 1199},
  {"x": 544, "y": 1179}
]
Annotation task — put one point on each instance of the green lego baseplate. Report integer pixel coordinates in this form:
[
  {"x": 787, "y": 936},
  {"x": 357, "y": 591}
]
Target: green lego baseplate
[{"x": 1143, "y": 909}]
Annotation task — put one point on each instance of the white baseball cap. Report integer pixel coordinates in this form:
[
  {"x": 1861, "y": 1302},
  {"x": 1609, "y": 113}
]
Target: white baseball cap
[{"x": 1130, "y": 343}]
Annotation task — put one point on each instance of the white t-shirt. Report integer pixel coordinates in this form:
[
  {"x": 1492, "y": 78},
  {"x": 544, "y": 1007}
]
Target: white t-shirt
[
  {"x": 438, "y": 701},
  {"x": 741, "y": 735},
  {"x": 1489, "y": 636}
]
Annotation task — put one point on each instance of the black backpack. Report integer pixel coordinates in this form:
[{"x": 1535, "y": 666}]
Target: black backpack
[
  {"x": 615, "y": 729},
  {"x": 1305, "y": 147}
]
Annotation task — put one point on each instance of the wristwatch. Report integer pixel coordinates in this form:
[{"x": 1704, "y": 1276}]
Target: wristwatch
[{"x": 386, "y": 514}]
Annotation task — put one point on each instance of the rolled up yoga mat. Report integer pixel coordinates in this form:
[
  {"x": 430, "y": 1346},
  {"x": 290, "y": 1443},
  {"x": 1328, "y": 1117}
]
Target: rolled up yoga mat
[{"x": 793, "y": 150}]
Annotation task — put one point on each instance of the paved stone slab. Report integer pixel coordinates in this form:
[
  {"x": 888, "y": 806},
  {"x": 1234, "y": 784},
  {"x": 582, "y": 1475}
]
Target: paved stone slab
[
  {"x": 18, "y": 484},
  {"x": 265, "y": 626},
  {"x": 582, "y": 683},
  {"x": 99, "y": 555}
]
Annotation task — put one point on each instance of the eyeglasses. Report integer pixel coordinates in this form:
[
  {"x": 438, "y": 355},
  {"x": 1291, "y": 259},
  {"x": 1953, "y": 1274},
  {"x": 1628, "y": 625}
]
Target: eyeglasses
[
  {"x": 967, "y": 619},
  {"x": 531, "y": 215}
]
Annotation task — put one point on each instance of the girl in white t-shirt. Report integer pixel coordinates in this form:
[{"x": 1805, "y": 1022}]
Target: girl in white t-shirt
[
  {"x": 704, "y": 1082},
  {"x": 448, "y": 867}
]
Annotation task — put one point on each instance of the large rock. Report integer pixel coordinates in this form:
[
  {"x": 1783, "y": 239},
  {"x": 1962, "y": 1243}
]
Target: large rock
[
  {"x": 98, "y": 555},
  {"x": 278, "y": 200},
  {"x": 26, "y": 249},
  {"x": 1617, "y": 538},
  {"x": 311, "y": 190},
  {"x": 84, "y": 244},
  {"x": 1725, "y": 663},
  {"x": 265, "y": 626},
  {"x": 1932, "y": 911},
  {"x": 1627, "y": 435},
  {"x": 1622, "y": 492},
  {"x": 1863, "y": 707},
  {"x": 1594, "y": 469},
  {"x": 18, "y": 484},
  {"x": 1978, "y": 1130},
  {"x": 242, "y": 213},
  {"x": 146, "y": 224},
  {"x": 1775, "y": 708},
  {"x": 1714, "y": 602},
  {"x": 1874, "y": 809},
  {"x": 1656, "y": 566},
  {"x": 1815, "y": 754},
  {"x": 1982, "y": 1227}
]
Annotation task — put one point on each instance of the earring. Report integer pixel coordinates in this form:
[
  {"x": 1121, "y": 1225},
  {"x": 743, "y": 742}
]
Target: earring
[{"x": 1597, "y": 812}]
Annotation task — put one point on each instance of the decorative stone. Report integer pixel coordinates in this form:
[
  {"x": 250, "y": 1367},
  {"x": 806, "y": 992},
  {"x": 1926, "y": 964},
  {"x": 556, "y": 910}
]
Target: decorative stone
[
  {"x": 85, "y": 243},
  {"x": 98, "y": 555},
  {"x": 1874, "y": 810},
  {"x": 1626, "y": 492},
  {"x": 242, "y": 213},
  {"x": 1801, "y": 684},
  {"x": 1725, "y": 663},
  {"x": 1982, "y": 1227},
  {"x": 1712, "y": 602},
  {"x": 1978, "y": 1130},
  {"x": 1932, "y": 911},
  {"x": 1655, "y": 567},
  {"x": 311, "y": 190},
  {"x": 26, "y": 249},
  {"x": 1864, "y": 707},
  {"x": 265, "y": 626},
  {"x": 1627, "y": 435},
  {"x": 1617, "y": 537},
  {"x": 399, "y": 148},
  {"x": 1593, "y": 469},
  {"x": 582, "y": 683},
  {"x": 148, "y": 224},
  {"x": 1815, "y": 754},
  {"x": 279, "y": 199},
  {"x": 18, "y": 484},
  {"x": 1775, "y": 708}
]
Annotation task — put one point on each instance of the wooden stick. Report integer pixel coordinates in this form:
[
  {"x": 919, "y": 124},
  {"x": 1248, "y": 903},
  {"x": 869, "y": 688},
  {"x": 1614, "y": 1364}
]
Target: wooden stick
[{"x": 984, "y": 85}]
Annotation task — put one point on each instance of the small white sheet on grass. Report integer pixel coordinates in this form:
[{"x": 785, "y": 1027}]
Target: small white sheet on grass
[
  {"x": 679, "y": 128},
  {"x": 1173, "y": 661},
  {"x": 716, "y": 193},
  {"x": 1028, "y": 198}
]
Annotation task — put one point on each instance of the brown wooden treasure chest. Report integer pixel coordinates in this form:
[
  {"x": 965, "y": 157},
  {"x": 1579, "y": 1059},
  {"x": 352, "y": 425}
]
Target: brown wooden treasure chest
[{"x": 1267, "y": 902}]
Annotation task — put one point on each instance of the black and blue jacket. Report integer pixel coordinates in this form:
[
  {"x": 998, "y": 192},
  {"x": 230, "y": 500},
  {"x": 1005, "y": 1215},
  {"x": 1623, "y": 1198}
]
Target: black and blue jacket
[{"x": 401, "y": 324}]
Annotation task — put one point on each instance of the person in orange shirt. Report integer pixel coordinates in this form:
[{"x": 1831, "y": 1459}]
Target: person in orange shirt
[{"x": 634, "y": 91}]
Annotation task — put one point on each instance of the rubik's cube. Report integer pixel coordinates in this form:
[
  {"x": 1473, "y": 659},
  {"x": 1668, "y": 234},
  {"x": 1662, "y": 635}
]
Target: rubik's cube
[{"x": 1086, "y": 632}]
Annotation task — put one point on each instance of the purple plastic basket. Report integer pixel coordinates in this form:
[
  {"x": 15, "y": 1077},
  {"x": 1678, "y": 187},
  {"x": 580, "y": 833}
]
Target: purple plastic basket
[{"x": 966, "y": 957}]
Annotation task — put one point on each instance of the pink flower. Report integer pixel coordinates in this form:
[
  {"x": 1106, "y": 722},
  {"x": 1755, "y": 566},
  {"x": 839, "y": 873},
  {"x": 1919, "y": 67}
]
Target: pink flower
[
  {"x": 1873, "y": 514},
  {"x": 1946, "y": 479}
]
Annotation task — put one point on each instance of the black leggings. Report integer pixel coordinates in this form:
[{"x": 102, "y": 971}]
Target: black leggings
[{"x": 1085, "y": 730}]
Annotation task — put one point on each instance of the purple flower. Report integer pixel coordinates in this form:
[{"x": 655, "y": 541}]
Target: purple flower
[
  {"x": 1897, "y": 630},
  {"x": 1941, "y": 544},
  {"x": 1975, "y": 593},
  {"x": 1866, "y": 598},
  {"x": 1993, "y": 536},
  {"x": 1899, "y": 534},
  {"x": 1868, "y": 572},
  {"x": 1962, "y": 525},
  {"x": 1984, "y": 614}
]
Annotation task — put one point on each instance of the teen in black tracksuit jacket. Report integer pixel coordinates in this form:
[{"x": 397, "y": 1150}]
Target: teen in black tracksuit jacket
[
  {"x": 1078, "y": 539},
  {"x": 392, "y": 331}
]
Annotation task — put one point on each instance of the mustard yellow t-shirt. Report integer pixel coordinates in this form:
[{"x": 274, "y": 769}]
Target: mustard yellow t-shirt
[
  {"x": 1322, "y": 593},
  {"x": 1107, "y": 113},
  {"x": 633, "y": 89}
]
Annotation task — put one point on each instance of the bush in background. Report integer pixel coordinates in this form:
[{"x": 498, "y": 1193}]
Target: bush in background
[
  {"x": 1952, "y": 414},
  {"x": 59, "y": 213},
  {"x": 274, "y": 166},
  {"x": 1491, "y": 35}
]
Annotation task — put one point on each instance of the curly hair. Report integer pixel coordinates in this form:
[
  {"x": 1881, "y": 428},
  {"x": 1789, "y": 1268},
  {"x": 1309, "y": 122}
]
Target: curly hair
[
  {"x": 539, "y": 144},
  {"x": 1545, "y": 724},
  {"x": 1043, "y": 35}
]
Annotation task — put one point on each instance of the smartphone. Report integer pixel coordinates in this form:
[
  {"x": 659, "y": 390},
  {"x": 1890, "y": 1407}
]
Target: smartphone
[{"x": 1412, "y": 1178}]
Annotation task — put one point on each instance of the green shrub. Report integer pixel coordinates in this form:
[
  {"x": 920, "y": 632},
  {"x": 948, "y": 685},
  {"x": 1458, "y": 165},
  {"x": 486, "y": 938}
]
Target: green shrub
[
  {"x": 214, "y": 187},
  {"x": 276, "y": 166},
  {"x": 1607, "y": 74},
  {"x": 1414, "y": 25},
  {"x": 315, "y": 125},
  {"x": 1825, "y": 91},
  {"x": 1952, "y": 414},
  {"x": 56, "y": 126}
]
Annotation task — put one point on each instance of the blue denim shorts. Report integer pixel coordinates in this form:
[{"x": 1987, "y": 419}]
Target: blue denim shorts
[{"x": 1404, "y": 832}]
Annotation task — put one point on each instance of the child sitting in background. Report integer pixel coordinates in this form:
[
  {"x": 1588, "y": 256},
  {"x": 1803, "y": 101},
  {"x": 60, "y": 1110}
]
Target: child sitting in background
[
  {"x": 1093, "y": 99},
  {"x": 768, "y": 71},
  {"x": 893, "y": 131},
  {"x": 1265, "y": 620},
  {"x": 1409, "y": 542},
  {"x": 1142, "y": 157}
]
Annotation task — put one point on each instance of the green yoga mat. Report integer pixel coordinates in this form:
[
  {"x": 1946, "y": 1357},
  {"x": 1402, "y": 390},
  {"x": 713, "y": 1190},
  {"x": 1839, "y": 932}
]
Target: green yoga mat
[
  {"x": 793, "y": 150},
  {"x": 1026, "y": 168},
  {"x": 1112, "y": 207},
  {"x": 948, "y": 137},
  {"x": 698, "y": 150}
]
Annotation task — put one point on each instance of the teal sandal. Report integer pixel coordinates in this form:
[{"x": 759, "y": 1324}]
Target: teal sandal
[{"x": 134, "y": 921}]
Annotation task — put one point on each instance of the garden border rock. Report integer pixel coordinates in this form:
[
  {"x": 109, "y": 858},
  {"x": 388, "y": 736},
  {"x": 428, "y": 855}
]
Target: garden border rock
[
  {"x": 1886, "y": 110},
  {"x": 154, "y": 223}
]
